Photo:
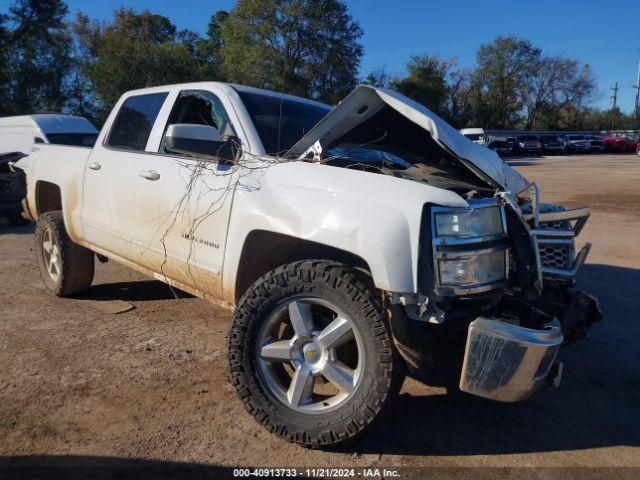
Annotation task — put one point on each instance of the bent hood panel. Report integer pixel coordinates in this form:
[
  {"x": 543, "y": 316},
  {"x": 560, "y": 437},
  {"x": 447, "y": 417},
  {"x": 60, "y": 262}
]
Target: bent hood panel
[{"x": 365, "y": 101}]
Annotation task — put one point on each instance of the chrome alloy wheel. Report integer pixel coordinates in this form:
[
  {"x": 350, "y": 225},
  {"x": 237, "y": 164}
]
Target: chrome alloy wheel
[
  {"x": 51, "y": 255},
  {"x": 310, "y": 355}
]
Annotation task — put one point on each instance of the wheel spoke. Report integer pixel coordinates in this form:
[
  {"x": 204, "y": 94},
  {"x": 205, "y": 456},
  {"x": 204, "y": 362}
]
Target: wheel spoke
[
  {"x": 53, "y": 268},
  {"x": 340, "y": 375},
  {"x": 46, "y": 245},
  {"x": 279, "y": 351},
  {"x": 301, "y": 318},
  {"x": 301, "y": 387},
  {"x": 337, "y": 333}
]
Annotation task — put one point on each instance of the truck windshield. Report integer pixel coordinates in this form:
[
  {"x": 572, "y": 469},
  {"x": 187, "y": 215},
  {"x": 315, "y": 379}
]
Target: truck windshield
[
  {"x": 281, "y": 122},
  {"x": 75, "y": 139}
]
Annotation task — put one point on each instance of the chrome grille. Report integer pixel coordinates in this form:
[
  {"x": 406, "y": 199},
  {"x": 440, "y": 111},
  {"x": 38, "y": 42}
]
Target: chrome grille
[{"x": 556, "y": 256}]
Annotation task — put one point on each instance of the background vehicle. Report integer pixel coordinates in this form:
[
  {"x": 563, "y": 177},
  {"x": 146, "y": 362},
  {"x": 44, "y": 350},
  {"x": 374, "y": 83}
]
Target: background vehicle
[
  {"x": 553, "y": 144},
  {"x": 20, "y": 133},
  {"x": 12, "y": 189},
  {"x": 596, "y": 144},
  {"x": 619, "y": 144},
  {"x": 529, "y": 144},
  {"x": 578, "y": 143},
  {"x": 501, "y": 147},
  {"x": 442, "y": 260},
  {"x": 476, "y": 135}
]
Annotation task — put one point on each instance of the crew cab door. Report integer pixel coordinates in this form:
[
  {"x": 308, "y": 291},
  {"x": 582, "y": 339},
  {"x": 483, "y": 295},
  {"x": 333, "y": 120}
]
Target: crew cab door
[
  {"x": 112, "y": 174},
  {"x": 180, "y": 221}
]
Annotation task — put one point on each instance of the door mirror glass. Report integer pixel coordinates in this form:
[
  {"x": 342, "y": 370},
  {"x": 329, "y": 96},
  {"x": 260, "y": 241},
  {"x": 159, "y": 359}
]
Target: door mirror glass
[{"x": 201, "y": 141}]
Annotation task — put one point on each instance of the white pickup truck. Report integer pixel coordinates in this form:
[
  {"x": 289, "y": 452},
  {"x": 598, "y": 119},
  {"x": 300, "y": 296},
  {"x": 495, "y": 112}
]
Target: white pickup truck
[{"x": 355, "y": 245}]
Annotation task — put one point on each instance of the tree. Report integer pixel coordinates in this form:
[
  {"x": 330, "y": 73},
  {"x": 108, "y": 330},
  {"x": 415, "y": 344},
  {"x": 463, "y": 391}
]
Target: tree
[
  {"x": 378, "y": 78},
  {"x": 577, "y": 90},
  {"x": 503, "y": 66},
  {"x": 208, "y": 50},
  {"x": 425, "y": 82},
  {"x": 36, "y": 57},
  {"x": 303, "y": 47},
  {"x": 136, "y": 50},
  {"x": 540, "y": 89}
]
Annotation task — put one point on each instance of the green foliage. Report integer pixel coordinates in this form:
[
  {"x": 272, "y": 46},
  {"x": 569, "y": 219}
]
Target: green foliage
[
  {"x": 425, "y": 82},
  {"x": 135, "y": 51},
  {"x": 35, "y": 57},
  {"x": 303, "y": 47}
]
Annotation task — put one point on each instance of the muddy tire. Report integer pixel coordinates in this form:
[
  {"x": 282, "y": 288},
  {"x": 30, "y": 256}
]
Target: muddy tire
[
  {"x": 311, "y": 354},
  {"x": 66, "y": 267}
]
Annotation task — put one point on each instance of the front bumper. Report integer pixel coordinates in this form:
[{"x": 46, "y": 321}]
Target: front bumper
[{"x": 507, "y": 362}]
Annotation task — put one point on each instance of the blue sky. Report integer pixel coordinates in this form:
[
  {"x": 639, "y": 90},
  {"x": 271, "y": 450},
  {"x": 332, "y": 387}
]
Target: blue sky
[{"x": 605, "y": 36}]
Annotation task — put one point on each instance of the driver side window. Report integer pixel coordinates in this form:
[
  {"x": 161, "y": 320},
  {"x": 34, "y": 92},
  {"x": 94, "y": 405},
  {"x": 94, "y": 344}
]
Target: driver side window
[{"x": 199, "y": 107}]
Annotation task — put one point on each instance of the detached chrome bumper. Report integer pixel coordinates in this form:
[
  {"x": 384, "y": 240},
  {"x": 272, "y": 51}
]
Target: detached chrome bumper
[{"x": 506, "y": 362}]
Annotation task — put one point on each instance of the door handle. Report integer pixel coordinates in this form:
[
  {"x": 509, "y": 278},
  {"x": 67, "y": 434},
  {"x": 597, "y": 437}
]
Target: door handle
[
  {"x": 149, "y": 174},
  {"x": 94, "y": 166}
]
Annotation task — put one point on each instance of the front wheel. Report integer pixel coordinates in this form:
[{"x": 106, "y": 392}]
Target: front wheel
[{"x": 311, "y": 354}]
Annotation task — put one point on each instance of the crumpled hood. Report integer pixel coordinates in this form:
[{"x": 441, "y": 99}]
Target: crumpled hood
[{"x": 366, "y": 100}]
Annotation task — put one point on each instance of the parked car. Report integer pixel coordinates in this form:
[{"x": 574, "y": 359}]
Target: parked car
[
  {"x": 20, "y": 133},
  {"x": 476, "y": 135},
  {"x": 12, "y": 189},
  {"x": 619, "y": 144},
  {"x": 638, "y": 148},
  {"x": 501, "y": 147},
  {"x": 577, "y": 143},
  {"x": 529, "y": 144},
  {"x": 347, "y": 261},
  {"x": 553, "y": 144},
  {"x": 596, "y": 144}
]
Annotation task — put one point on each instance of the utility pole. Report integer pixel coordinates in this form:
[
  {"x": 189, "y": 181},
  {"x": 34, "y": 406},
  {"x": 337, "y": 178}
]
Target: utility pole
[
  {"x": 615, "y": 101},
  {"x": 637, "y": 109}
]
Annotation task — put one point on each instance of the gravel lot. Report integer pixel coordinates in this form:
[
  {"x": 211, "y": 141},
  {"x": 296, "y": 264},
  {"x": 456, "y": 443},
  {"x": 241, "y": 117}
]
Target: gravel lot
[{"x": 84, "y": 387}]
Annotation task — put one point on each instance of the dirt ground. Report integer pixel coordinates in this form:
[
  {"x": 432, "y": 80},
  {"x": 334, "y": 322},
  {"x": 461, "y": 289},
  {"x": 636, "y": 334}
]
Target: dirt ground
[{"x": 84, "y": 387}]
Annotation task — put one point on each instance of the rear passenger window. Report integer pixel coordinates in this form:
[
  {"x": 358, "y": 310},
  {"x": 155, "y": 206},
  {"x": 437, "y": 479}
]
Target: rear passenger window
[{"x": 134, "y": 121}]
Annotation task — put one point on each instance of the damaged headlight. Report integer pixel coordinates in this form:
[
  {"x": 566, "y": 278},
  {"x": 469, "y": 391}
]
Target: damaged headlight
[
  {"x": 472, "y": 268},
  {"x": 470, "y": 250},
  {"x": 472, "y": 222}
]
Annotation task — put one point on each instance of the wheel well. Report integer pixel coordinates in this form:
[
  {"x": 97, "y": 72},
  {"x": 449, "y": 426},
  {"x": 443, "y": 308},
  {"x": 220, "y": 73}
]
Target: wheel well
[
  {"x": 48, "y": 197},
  {"x": 263, "y": 251}
]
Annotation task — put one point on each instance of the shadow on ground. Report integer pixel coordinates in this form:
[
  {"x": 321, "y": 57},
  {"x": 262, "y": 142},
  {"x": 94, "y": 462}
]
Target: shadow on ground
[
  {"x": 6, "y": 229},
  {"x": 596, "y": 406},
  {"x": 102, "y": 468},
  {"x": 134, "y": 291}
]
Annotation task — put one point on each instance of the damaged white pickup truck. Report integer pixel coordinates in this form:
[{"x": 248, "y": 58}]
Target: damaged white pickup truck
[{"x": 355, "y": 244}]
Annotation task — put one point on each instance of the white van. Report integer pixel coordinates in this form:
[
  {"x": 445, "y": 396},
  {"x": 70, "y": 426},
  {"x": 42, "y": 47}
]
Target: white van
[
  {"x": 19, "y": 133},
  {"x": 476, "y": 135}
]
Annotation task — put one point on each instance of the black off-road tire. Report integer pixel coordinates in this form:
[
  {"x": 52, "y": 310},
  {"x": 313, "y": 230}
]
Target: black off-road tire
[
  {"x": 77, "y": 262},
  {"x": 384, "y": 371}
]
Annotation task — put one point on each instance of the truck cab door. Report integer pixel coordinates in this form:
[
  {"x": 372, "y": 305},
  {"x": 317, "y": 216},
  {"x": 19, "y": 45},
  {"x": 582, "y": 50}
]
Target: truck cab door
[
  {"x": 112, "y": 175},
  {"x": 180, "y": 222}
]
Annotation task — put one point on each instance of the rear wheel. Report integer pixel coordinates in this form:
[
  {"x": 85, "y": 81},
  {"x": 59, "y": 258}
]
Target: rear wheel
[
  {"x": 65, "y": 267},
  {"x": 311, "y": 354}
]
